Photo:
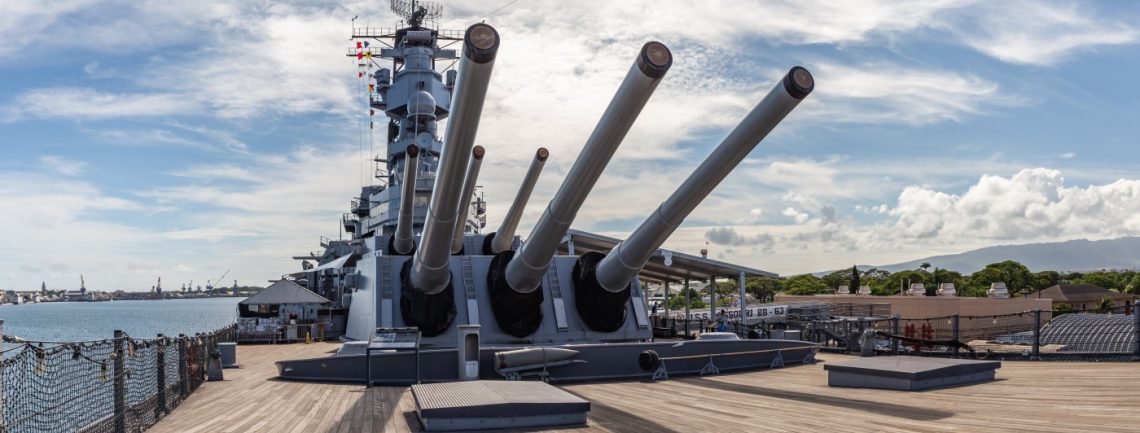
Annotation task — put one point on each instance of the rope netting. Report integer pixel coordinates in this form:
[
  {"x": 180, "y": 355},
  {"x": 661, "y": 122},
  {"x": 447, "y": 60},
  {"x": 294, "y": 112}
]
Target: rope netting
[{"x": 122, "y": 384}]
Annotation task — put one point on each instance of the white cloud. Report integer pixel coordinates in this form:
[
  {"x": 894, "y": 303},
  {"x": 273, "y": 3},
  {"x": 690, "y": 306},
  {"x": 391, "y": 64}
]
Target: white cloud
[
  {"x": 891, "y": 93},
  {"x": 86, "y": 103},
  {"x": 56, "y": 227},
  {"x": 797, "y": 215},
  {"x": 62, "y": 165},
  {"x": 1068, "y": 155},
  {"x": 1037, "y": 33},
  {"x": 755, "y": 216},
  {"x": 106, "y": 26},
  {"x": 278, "y": 61},
  {"x": 1033, "y": 204}
]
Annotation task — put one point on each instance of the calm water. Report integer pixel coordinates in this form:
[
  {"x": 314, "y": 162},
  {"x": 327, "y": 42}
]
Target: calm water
[{"x": 85, "y": 321}]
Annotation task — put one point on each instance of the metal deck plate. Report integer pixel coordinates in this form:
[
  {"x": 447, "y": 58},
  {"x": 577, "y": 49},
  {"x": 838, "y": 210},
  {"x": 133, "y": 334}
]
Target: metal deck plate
[
  {"x": 495, "y": 404},
  {"x": 908, "y": 373}
]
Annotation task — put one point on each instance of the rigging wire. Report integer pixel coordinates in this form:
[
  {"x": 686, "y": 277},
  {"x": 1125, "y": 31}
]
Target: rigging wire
[
  {"x": 499, "y": 9},
  {"x": 360, "y": 144}
]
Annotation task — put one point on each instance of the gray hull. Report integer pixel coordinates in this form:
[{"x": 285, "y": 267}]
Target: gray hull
[{"x": 603, "y": 361}]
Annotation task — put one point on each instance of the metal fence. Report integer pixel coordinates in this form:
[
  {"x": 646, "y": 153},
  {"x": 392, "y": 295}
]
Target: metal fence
[
  {"x": 1109, "y": 334},
  {"x": 1101, "y": 334},
  {"x": 122, "y": 384}
]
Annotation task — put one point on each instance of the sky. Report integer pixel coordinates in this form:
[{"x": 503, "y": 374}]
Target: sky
[{"x": 184, "y": 139}]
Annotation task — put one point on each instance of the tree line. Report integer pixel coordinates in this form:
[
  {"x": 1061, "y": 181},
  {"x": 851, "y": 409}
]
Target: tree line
[{"x": 1019, "y": 280}]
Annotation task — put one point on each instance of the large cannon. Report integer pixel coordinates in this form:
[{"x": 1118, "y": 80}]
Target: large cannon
[
  {"x": 402, "y": 241},
  {"x": 465, "y": 201},
  {"x": 427, "y": 300},
  {"x": 504, "y": 237},
  {"x": 602, "y": 280},
  {"x": 514, "y": 277}
]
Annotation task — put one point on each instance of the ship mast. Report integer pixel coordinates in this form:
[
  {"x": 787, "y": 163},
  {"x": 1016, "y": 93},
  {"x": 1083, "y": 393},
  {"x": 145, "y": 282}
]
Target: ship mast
[{"x": 410, "y": 73}]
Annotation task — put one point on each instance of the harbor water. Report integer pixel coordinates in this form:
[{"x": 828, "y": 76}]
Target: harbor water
[{"x": 87, "y": 321}]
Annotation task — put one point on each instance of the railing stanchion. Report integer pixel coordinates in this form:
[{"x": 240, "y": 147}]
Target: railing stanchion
[
  {"x": 120, "y": 383},
  {"x": 1036, "y": 334},
  {"x": 160, "y": 357},
  {"x": 1136, "y": 327},
  {"x": 895, "y": 330},
  {"x": 3, "y": 424},
  {"x": 955, "y": 332},
  {"x": 183, "y": 366}
]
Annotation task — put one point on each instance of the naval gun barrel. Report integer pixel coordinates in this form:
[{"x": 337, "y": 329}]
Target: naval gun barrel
[
  {"x": 524, "y": 272},
  {"x": 402, "y": 242},
  {"x": 506, "y": 233},
  {"x": 429, "y": 269},
  {"x": 620, "y": 265},
  {"x": 465, "y": 201}
]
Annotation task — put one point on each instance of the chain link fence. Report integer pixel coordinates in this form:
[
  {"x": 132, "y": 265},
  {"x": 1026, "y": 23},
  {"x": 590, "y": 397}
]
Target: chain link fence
[{"x": 122, "y": 384}]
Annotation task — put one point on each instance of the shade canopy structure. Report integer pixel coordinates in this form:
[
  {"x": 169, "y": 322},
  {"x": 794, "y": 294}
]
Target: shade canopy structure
[
  {"x": 1091, "y": 333},
  {"x": 284, "y": 292},
  {"x": 665, "y": 265},
  {"x": 336, "y": 263}
]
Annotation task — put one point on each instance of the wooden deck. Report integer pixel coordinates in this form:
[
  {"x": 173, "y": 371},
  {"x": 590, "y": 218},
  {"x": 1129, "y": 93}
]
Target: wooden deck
[{"x": 1028, "y": 396}]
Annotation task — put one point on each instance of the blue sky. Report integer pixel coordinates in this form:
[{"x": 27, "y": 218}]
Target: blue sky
[{"x": 155, "y": 138}]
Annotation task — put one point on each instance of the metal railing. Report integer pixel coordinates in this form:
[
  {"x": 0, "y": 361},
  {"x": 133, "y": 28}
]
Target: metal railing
[{"x": 1094, "y": 334}]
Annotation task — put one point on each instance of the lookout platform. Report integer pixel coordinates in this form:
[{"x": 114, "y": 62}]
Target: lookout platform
[{"x": 1027, "y": 396}]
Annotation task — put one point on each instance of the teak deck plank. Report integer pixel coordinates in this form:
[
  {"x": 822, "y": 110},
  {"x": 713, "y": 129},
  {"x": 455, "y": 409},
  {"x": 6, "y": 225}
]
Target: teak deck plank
[{"x": 1028, "y": 396}]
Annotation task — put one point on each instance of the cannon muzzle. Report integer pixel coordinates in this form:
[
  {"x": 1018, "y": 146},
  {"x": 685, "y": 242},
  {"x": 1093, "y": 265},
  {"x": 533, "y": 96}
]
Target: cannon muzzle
[
  {"x": 429, "y": 270},
  {"x": 465, "y": 203},
  {"x": 506, "y": 233},
  {"x": 402, "y": 242},
  {"x": 525, "y": 270},
  {"x": 622, "y": 264}
]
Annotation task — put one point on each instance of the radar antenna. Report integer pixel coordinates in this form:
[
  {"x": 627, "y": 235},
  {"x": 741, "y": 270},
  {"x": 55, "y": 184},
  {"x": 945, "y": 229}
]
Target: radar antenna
[{"x": 415, "y": 12}]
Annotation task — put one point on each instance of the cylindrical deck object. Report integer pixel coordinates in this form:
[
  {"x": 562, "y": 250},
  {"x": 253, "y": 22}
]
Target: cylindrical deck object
[
  {"x": 628, "y": 257},
  {"x": 402, "y": 242},
  {"x": 506, "y": 233},
  {"x": 465, "y": 199},
  {"x": 429, "y": 271},
  {"x": 524, "y": 272}
]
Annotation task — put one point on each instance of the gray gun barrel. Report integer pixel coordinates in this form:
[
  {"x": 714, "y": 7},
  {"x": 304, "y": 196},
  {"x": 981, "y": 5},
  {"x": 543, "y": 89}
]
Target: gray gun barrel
[
  {"x": 628, "y": 257},
  {"x": 465, "y": 201},
  {"x": 506, "y": 233},
  {"x": 524, "y": 272},
  {"x": 429, "y": 272},
  {"x": 402, "y": 242}
]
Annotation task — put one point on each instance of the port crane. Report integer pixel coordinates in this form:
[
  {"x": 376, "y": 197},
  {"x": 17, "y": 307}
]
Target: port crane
[{"x": 210, "y": 284}]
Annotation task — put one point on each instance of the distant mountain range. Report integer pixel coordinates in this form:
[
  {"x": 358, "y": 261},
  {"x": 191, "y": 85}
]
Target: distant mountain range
[{"x": 1078, "y": 255}]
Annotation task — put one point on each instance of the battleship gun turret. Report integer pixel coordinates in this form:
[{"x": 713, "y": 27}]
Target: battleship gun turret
[
  {"x": 402, "y": 242},
  {"x": 425, "y": 265},
  {"x": 602, "y": 280},
  {"x": 514, "y": 278},
  {"x": 465, "y": 201},
  {"x": 428, "y": 301},
  {"x": 504, "y": 238}
]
